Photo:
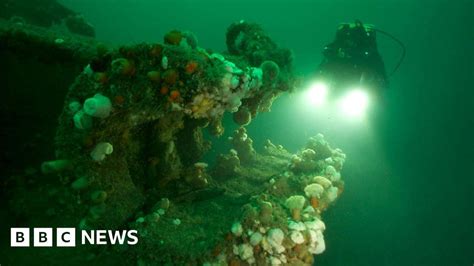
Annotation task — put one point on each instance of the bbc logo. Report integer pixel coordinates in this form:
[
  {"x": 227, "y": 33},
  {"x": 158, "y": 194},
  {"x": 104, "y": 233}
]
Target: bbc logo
[{"x": 43, "y": 237}]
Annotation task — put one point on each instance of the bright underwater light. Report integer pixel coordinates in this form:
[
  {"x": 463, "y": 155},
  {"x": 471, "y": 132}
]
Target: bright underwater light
[
  {"x": 317, "y": 93},
  {"x": 349, "y": 104},
  {"x": 354, "y": 103}
]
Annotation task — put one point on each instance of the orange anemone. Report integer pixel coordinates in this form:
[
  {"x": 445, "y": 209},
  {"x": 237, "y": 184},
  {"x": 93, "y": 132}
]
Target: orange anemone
[
  {"x": 173, "y": 37},
  {"x": 174, "y": 95},
  {"x": 314, "y": 202},
  {"x": 170, "y": 76},
  {"x": 101, "y": 77},
  {"x": 156, "y": 50},
  {"x": 119, "y": 100},
  {"x": 191, "y": 67},
  {"x": 164, "y": 90}
]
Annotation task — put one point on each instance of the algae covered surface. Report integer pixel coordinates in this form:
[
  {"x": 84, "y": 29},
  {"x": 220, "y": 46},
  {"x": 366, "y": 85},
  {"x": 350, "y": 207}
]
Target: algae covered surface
[{"x": 130, "y": 144}]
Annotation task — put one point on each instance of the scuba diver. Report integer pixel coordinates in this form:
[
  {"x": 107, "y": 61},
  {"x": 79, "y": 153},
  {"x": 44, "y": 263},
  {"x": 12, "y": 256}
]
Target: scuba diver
[{"x": 352, "y": 59}]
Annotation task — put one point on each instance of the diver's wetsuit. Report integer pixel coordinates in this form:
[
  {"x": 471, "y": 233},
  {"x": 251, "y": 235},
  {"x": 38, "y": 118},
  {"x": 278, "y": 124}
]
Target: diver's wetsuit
[{"x": 353, "y": 57}]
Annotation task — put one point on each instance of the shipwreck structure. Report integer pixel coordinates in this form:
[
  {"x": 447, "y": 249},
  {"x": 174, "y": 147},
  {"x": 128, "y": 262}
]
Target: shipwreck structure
[{"x": 129, "y": 149}]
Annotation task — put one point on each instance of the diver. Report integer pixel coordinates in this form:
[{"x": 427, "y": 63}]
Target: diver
[{"x": 352, "y": 59}]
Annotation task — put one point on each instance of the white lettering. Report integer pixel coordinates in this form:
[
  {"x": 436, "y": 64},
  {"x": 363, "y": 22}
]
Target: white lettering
[
  {"x": 115, "y": 236},
  {"x": 90, "y": 238},
  {"x": 43, "y": 237},
  {"x": 66, "y": 237},
  {"x": 20, "y": 237},
  {"x": 132, "y": 237},
  {"x": 101, "y": 237}
]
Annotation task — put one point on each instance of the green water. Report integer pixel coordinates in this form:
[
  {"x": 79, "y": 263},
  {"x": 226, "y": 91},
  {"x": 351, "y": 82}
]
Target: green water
[{"x": 409, "y": 174}]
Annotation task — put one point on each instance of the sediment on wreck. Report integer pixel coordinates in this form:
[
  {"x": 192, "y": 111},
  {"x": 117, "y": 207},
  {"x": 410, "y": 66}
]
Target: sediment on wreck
[
  {"x": 38, "y": 66},
  {"x": 130, "y": 146}
]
